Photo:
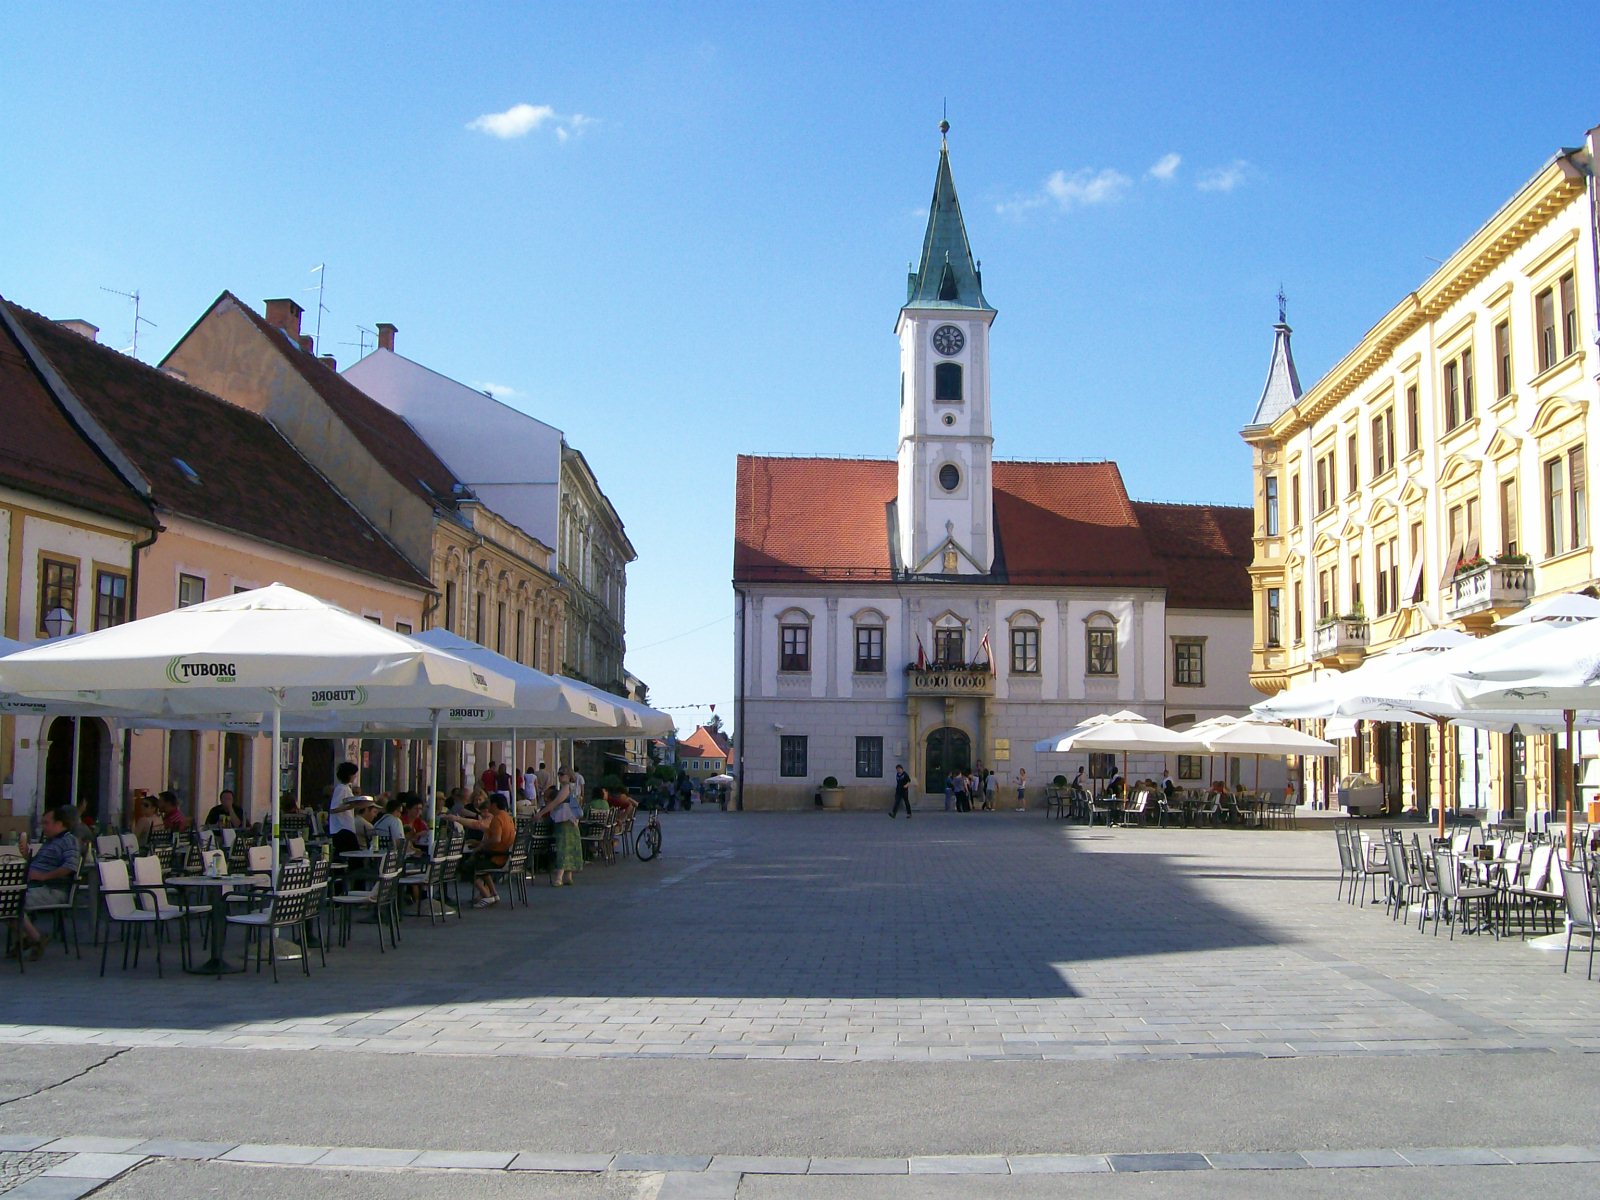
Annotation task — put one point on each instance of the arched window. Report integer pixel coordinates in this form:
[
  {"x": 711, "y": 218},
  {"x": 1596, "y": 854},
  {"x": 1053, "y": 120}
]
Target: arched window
[
  {"x": 1101, "y": 644},
  {"x": 949, "y": 641},
  {"x": 947, "y": 382},
  {"x": 869, "y": 629},
  {"x": 794, "y": 640},
  {"x": 1025, "y": 643}
]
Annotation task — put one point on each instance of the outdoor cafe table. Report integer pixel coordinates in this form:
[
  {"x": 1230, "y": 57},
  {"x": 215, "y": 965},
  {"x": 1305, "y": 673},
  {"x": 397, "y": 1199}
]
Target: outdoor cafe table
[{"x": 216, "y": 964}]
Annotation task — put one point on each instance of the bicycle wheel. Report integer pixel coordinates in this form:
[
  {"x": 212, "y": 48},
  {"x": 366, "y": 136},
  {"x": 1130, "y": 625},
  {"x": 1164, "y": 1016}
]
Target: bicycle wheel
[{"x": 649, "y": 843}]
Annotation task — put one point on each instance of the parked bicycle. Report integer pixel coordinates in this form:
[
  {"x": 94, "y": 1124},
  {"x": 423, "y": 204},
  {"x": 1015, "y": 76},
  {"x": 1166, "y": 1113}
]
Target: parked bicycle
[{"x": 648, "y": 842}]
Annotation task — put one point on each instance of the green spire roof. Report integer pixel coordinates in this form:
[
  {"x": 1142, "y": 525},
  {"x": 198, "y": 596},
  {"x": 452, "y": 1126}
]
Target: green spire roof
[{"x": 946, "y": 277}]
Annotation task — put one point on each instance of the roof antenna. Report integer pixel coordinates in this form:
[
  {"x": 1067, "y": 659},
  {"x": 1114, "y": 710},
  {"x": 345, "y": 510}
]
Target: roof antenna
[
  {"x": 1283, "y": 309},
  {"x": 134, "y": 296},
  {"x": 320, "y": 271},
  {"x": 363, "y": 335}
]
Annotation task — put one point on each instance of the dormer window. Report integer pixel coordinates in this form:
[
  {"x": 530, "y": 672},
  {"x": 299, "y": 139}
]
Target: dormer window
[
  {"x": 947, "y": 284},
  {"x": 947, "y": 382}
]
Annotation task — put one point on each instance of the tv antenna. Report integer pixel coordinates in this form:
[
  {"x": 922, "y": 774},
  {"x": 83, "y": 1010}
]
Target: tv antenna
[
  {"x": 321, "y": 272},
  {"x": 137, "y": 319},
  {"x": 363, "y": 337}
]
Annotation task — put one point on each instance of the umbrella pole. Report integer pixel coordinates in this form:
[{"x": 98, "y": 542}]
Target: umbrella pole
[
  {"x": 1572, "y": 782},
  {"x": 77, "y": 746},
  {"x": 1439, "y": 727},
  {"x": 277, "y": 774},
  {"x": 433, "y": 768},
  {"x": 1255, "y": 785}
]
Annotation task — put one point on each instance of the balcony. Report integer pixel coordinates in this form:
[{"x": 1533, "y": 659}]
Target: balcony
[
  {"x": 1483, "y": 594},
  {"x": 950, "y": 681},
  {"x": 1342, "y": 641}
]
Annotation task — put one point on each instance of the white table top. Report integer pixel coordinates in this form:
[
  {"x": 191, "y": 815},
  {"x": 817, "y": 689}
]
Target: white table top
[{"x": 213, "y": 880}]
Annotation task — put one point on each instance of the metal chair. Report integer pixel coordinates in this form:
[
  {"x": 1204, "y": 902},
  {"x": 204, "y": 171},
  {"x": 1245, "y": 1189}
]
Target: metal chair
[
  {"x": 1578, "y": 896},
  {"x": 13, "y": 898},
  {"x": 122, "y": 900},
  {"x": 286, "y": 909}
]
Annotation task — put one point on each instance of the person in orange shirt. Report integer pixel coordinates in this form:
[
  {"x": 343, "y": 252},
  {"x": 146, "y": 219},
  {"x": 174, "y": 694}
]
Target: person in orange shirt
[{"x": 498, "y": 830}]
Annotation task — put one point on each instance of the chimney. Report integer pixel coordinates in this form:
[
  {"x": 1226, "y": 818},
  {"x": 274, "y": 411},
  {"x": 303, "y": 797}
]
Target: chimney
[
  {"x": 307, "y": 343},
  {"x": 285, "y": 314},
  {"x": 81, "y": 328},
  {"x": 328, "y": 361},
  {"x": 386, "y": 334}
]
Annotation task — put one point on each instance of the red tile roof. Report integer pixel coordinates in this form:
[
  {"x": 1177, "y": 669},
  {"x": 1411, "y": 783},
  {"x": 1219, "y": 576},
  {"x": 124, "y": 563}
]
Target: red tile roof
[
  {"x": 1206, "y": 549},
  {"x": 702, "y": 743},
  {"x": 1056, "y": 524},
  {"x": 250, "y": 479},
  {"x": 44, "y": 453},
  {"x": 386, "y": 435}
]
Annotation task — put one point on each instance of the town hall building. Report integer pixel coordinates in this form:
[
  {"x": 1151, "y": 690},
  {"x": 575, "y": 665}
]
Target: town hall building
[{"x": 946, "y": 610}]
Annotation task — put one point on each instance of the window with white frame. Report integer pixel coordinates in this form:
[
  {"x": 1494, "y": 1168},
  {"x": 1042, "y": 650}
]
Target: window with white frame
[
  {"x": 869, "y": 643},
  {"x": 1101, "y": 645},
  {"x": 1025, "y": 644},
  {"x": 794, "y": 641}
]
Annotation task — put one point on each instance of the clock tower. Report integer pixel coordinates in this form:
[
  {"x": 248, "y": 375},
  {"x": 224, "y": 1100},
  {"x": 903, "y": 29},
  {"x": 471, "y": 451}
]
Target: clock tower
[{"x": 944, "y": 505}]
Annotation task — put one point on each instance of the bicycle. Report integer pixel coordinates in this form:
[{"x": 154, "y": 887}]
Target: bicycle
[{"x": 647, "y": 844}]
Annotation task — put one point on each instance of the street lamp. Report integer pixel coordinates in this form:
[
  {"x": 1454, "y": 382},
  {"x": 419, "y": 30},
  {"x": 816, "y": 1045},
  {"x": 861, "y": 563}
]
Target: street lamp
[{"x": 58, "y": 622}]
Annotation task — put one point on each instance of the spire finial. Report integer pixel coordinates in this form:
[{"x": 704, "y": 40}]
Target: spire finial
[
  {"x": 944, "y": 122},
  {"x": 1283, "y": 307}
]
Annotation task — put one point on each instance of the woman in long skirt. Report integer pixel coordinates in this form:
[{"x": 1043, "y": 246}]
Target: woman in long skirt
[{"x": 565, "y": 809}]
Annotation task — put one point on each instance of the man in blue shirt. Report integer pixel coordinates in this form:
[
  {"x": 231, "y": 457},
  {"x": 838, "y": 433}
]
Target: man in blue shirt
[{"x": 51, "y": 871}]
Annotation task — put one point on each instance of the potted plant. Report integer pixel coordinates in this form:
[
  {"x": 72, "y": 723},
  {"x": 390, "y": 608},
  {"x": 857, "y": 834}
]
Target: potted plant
[
  {"x": 832, "y": 793},
  {"x": 1468, "y": 565},
  {"x": 1512, "y": 560}
]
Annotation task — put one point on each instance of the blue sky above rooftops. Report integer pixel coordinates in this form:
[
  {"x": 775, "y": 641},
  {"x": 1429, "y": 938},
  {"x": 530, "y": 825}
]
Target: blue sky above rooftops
[{"x": 679, "y": 232}]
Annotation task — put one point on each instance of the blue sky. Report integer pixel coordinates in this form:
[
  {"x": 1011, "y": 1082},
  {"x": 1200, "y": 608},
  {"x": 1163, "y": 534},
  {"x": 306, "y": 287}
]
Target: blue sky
[{"x": 695, "y": 243}]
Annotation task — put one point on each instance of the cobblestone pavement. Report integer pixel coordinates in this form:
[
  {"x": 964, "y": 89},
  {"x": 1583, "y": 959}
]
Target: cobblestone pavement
[{"x": 840, "y": 937}]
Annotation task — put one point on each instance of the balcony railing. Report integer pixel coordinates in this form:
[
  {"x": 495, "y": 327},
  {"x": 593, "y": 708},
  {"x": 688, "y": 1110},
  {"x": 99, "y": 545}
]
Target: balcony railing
[
  {"x": 1344, "y": 638},
  {"x": 1497, "y": 587},
  {"x": 950, "y": 681}
]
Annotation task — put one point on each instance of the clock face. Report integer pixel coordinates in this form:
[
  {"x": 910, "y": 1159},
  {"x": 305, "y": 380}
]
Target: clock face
[{"x": 948, "y": 340}]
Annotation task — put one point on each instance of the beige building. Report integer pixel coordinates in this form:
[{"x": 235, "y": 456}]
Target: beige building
[
  {"x": 1438, "y": 476},
  {"x": 491, "y": 581}
]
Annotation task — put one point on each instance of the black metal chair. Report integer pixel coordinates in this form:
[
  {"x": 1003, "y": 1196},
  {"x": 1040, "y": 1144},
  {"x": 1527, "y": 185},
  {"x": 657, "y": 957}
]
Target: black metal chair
[{"x": 288, "y": 909}]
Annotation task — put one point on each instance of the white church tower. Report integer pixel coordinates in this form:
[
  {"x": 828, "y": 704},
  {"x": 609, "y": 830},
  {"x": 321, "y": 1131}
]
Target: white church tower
[{"x": 944, "y": 518}]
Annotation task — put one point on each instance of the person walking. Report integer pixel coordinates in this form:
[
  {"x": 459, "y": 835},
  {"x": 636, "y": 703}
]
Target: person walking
[
  {"x": 949, "y": 791},
  {"x": 1022, "y": 789},
  {"x": 902, "y": 792},
  {"x": 963, "y": 792}
]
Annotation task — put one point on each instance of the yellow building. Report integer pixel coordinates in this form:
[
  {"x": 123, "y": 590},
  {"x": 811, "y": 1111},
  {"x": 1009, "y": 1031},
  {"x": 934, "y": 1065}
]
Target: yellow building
[{"x": 1437, "y": 477}]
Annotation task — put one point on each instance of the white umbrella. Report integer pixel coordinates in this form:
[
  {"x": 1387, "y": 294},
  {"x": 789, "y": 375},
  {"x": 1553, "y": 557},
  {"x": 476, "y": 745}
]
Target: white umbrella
[
  {"x": 1266, "y": 737},
  {"x": 1124, "y": 731},
  {"x": 1061, "y": 743},
  {"x": 723, "y": 778},
  {"x": 273, "y": 650},
  {"x": 1566, "y": 606}
]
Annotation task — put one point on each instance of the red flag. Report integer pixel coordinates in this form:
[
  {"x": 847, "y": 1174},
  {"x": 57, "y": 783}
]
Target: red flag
[
  {"x": 988, "y": 652},
  {"x": 922, "y": 655}
]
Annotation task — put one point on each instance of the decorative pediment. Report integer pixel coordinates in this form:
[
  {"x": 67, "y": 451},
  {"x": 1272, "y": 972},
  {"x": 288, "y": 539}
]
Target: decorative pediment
[
  {"x": 1556, "y": 412},
  {"x": 1458, "y": 468},
  {"x": 1294, "y": 561},
  {"x": 1351, "y": 531},
  {"x": 1382, "y": 510},
  {"x": 1502, "y": 445},
  {"x": 1413, "y": 493},
  {"x": 1325, "y": 544}
]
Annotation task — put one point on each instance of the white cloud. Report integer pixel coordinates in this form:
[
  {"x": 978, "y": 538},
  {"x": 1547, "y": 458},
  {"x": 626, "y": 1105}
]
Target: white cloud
[
  {"x": 500, "y": 391},
  {"x": 1165, "y": 167},
  {"x": 522, "y": 119},
  {"x": 1082, "y": 187},
  {"x": 1224, "y": 179}
]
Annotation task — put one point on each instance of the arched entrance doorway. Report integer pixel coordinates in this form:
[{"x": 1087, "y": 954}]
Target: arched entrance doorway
[
  {"x": 947, "y": 750},
  {"x": 316, "y": 772},
  {"x": 93, "y": 759}
]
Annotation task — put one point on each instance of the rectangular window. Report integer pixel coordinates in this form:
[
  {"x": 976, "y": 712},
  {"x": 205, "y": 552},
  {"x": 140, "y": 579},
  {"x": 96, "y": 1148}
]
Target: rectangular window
[
  {"x": 1577, "y": 493},
  {"x": 481, "y": 620},
  {"x": 1353, "y": 452},
  {"x": 450, "y": 605},
  {"x": 1544, "y": 320},
  {"x": 403, "y": 627},
  {"x": 1024, "y": 651},
  {"x": 869, "y": 758},
  {"x": 1569, "y": 314},
  {"x": 792, "y": 755},
  {"x": 1274, "y": 617},
  {"x": 1189, "y": 664},
  {"x": 110, "y": 599},
  {"x": 796, "y": 650},
  {"x": 519, "y": 635},
  {"x": 1509, "y": 539},
  {"x": 58, "y": 588},
  {"x": 1299, "y": 618},
  {"x": 1190, "y": 766},
  {"x": 869, "y": 649},
  {"x": 500, "y": 627},
  {"x": 1324, "y": 496},
  {"x": 949, "y": 647},
  {"x": 1294, "y": 500},
  {"x": 1355, "y": 583},
  {"x": 1102, "y": 652},
  {"x": 1555, "y": 508},
  {"x": 1272, "y": 506},
  {"x": 191, "y": 590},
  {"x": 1382, "y": 443},
  {"x": 1452, "y": 396},
  {"x": 1502, "y": 360},
  {"x": 1469, "y": 391},
  {"x": 1413, "y": 420},
  {"x": 1383, "y": 559},
  {"x": 1416, "y": 585}
]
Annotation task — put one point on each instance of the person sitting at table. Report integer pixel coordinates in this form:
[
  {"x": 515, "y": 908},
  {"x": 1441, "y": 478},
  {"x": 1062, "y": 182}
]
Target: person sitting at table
[
  {"x": 498, "y": 830},
  {"x": 390, "y": 825},
  {"x": 50, "y": 873},
  {"x": 1117, "y": 784},
  {"x": 224, "y": 814},
  {"x": 623, "y": 804},
  {"x": 1168, "y": 788},
  {"x": 146, "y": 818},
  {"x": 455, "y": 803},
  {"x": 411, "y": 816},
  {"x": 172, "y": 817},
  {"x": 477, "y": 804}
]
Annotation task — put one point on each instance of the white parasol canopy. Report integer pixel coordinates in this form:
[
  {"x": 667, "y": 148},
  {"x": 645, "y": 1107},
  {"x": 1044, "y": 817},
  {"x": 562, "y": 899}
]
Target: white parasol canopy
[
  {"x": 1266, "y": 738},
  {"x": 274, "y": 649},
  {"x": 1566, "y": 606}
]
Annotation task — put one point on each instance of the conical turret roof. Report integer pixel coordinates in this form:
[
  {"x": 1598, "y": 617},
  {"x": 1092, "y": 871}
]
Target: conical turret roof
[{"x": 947, "y": 276}]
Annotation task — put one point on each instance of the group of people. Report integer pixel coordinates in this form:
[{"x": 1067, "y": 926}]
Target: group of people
[{"x": 978, "y": 790}]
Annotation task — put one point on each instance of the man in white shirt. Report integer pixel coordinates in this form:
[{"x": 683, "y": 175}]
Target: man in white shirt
[{"x": 341, "y": 808}]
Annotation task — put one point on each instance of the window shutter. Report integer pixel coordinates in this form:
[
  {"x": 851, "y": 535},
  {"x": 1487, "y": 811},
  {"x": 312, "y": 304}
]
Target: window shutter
[{"x": 1451, "y": 559}]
